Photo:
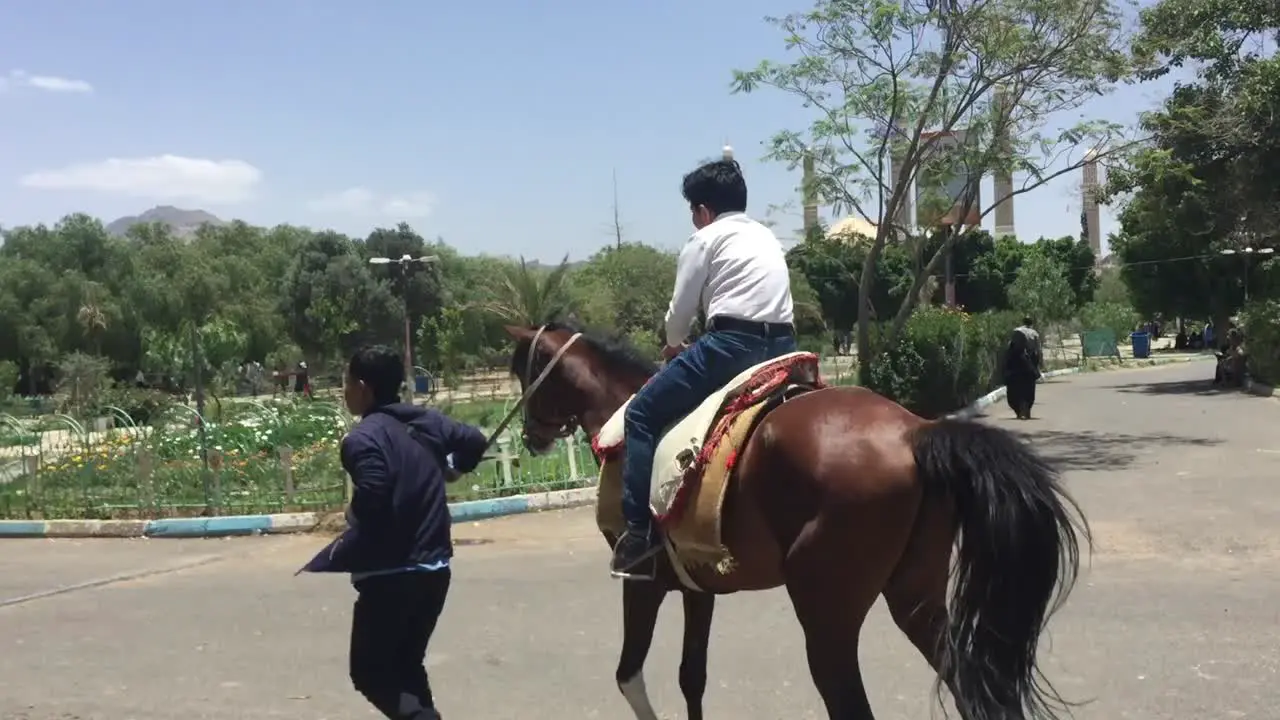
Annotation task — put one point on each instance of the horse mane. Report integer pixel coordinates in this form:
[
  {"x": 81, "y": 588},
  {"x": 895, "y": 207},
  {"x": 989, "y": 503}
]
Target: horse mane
[{"x": 614, "y": 348}]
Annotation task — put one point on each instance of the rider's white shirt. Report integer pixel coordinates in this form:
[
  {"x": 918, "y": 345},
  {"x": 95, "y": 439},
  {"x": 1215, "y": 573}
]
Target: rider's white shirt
[{"x": 736, "y": 267}]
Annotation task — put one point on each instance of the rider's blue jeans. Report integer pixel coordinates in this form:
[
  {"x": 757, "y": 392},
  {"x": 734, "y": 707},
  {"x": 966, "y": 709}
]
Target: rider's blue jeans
[{"x": 714, "y": 359}]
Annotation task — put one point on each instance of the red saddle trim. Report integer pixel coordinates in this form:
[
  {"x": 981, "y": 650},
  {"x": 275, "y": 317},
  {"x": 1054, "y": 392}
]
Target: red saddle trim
[
  {"x": 602, "y": 452},
  {"x": 764, "y": 383}
]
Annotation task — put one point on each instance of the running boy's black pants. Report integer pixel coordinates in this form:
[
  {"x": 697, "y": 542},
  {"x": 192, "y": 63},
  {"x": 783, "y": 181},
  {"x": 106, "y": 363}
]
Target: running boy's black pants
[{"x": 390, "y": 628}]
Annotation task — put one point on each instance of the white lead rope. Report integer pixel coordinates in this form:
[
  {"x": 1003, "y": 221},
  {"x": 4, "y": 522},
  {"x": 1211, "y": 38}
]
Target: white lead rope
[{"x": 520, "y": 404}]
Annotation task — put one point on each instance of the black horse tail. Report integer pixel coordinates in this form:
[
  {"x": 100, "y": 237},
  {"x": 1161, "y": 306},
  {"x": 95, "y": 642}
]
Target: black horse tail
[{"x": 1019, "y": 555}]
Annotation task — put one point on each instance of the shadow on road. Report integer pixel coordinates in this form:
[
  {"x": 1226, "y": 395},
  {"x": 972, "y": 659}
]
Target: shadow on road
[
  {"x": 1174, "y": 387},
  {"x": 1088, "y": 450}
]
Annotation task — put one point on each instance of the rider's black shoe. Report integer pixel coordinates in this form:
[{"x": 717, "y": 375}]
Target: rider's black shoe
[{"x": 633, "y": 551}]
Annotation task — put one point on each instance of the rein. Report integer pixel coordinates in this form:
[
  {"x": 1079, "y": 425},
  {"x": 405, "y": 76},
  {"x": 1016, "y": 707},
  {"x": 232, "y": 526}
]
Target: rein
[{"x": 522, "y": 403}]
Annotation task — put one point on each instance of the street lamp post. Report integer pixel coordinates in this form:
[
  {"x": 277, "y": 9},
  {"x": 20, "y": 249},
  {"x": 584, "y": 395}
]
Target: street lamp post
[
  {"x": 1249, "y": 253},
  {"x": 404, "y": 262}
]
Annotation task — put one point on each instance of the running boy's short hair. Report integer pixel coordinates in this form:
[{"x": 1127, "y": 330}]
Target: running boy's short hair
[{"x": 381, "y": 369}]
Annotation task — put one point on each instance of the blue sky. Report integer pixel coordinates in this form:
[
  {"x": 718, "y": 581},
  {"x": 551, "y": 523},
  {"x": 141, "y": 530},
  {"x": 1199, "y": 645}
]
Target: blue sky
[{"x": 495, "y": 126}]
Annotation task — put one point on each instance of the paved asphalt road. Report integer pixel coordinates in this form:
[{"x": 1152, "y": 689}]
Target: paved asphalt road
[{"x": 1177, "y": 617}]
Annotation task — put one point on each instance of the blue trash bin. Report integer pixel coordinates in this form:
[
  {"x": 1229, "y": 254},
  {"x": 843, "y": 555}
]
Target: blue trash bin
[
  {"x": 1141, "y": 345},
  {"x": 421, "y": 384}
]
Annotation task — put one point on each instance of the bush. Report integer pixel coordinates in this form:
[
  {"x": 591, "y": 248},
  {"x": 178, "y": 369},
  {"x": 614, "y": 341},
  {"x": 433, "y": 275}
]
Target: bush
[
  {"x": 1114, "y": 316},
  {"x": 944, "y": 360},
  {"x": 140, "y": 404},
  {"x": 1261, "y": 323}
]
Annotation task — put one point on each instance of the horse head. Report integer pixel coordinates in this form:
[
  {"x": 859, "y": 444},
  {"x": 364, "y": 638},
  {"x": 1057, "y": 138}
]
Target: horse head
[{"x": 571, "y": 379}]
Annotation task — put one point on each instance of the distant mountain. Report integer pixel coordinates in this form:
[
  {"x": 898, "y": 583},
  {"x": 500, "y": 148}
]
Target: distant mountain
[{"x": 183, "y": 222}]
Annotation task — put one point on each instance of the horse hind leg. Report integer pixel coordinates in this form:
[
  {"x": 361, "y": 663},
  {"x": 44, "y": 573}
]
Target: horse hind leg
[
  {"x": 833, "y": 589},
  {"x": 917, "y": 590}
]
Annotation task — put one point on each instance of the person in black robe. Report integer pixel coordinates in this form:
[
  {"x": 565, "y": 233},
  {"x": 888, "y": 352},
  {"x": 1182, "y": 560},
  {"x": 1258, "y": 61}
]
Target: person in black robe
[{"x": 1021, "y": 372}]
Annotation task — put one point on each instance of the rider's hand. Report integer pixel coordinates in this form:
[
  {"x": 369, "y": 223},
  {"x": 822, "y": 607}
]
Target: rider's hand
[{"x": 671, "y": 351}]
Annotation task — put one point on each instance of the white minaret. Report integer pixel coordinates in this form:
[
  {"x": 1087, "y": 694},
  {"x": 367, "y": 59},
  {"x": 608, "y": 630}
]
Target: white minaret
[
  {"x": 808, "y": 197},
  {"x": 727, "y": 152},
  {"x": 1003, "y": 180},
  {"x": 1090, "y": 215}
]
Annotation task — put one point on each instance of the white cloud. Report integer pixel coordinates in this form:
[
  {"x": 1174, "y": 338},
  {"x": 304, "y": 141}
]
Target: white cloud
[
  {"x": 48, "y": 83},
  {"x": 162, "y": 177},
  {"x": 364, "y": 202}
]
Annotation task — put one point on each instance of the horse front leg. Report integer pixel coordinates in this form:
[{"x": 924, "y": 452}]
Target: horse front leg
[
  {"x": 698, "y": 609},
  {"x": 641, "y": 600}
]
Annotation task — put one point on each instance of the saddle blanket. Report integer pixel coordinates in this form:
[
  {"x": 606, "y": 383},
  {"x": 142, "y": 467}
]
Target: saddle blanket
[{"x": 695, "y": 456}]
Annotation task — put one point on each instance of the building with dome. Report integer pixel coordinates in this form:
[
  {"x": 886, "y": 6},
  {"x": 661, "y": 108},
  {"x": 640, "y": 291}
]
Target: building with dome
[{"x": 852, "y": 229}]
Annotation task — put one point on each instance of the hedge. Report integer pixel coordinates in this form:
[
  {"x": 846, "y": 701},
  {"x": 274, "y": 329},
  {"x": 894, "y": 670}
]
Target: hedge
[
  {"x": 945, "y": 359},
  {"x": 1260, "y": 321}
]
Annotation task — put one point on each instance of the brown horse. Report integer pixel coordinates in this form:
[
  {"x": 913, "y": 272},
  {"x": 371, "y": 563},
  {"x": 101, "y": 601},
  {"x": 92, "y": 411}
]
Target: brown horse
[{"x": 842, "y": 496}]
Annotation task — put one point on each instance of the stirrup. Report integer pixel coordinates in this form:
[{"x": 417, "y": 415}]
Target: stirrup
[{"x": 646, "y": 569}]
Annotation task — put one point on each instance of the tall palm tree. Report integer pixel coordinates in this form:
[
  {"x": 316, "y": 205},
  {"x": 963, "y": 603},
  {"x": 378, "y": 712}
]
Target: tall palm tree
[{"x": 531, "y": 296}]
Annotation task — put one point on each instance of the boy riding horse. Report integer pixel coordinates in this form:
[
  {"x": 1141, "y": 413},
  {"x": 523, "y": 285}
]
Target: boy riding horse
[{"x": 735, "y": 270}]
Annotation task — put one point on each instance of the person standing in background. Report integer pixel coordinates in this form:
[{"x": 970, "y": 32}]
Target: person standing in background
[{"x": 1022, "y": 363}]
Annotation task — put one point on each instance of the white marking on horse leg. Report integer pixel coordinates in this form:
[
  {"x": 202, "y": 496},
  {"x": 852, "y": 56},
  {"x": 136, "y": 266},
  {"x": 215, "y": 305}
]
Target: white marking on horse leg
[{"x": 638, "y": 697}]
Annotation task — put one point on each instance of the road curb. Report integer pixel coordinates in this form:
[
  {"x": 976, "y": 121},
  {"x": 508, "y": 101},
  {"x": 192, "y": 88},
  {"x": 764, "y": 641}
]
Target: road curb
[
  {"x": 282, "y": 523},
  {"x": 240, "y": 525},
  {"x": 228, "y": 526},
  {"x": 517, "y": 504}
]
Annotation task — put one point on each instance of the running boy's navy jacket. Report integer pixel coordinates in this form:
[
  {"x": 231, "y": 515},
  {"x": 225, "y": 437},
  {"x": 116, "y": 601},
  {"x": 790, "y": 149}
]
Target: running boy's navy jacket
[{"x": 399, "y": 516}]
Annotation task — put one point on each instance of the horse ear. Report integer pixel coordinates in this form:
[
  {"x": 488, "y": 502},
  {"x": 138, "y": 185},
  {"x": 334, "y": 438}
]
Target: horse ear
[{"x": 517, "y": 332}]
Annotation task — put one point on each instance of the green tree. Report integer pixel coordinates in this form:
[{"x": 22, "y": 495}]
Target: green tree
[
  {"x": 1076, "y": 257},
  {"x": 441, "y": 341},
  {"x": 1177, "y": 218},
  {"x": 833, "y": 266},
  {"x": 529, "y": 295},
  {"x": 883, "y": 96},
  {"x": 469, "y": 284},
  {"x": 1042, "y": 289},
  {"x": 1232, "y": 45},
  {"x": 1111, "y": 287},
  {"x": 808, "y": 307},
  {"x": 1117, "y": 317},
  {"x": 420, "y": 289},
  {"x": 983, "y": 265},
  {"x": 332, "y": 301},
  {"x": 625, "y": 288},
  {"x": 1206, "y": 181}
]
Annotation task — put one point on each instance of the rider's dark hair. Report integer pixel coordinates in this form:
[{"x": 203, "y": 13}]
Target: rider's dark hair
[
  {"x": 718, "y": 186},
  {"x": 1028, "y": 321},
  {"x": 381, "y": 369}
]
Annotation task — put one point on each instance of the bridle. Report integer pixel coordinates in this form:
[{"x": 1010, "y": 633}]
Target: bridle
[{"x": 560, "y": 430}]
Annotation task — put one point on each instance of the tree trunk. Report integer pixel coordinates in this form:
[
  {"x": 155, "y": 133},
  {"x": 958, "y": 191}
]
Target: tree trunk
[
  {"x": 913, "y": 295},
  {"x": 866, "y": 353},
  {"x": 1221, "y": 319}
]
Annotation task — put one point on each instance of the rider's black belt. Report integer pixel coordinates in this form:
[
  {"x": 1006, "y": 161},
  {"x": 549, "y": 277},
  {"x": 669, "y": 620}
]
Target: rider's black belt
[{"x": 724, "y": 323}]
